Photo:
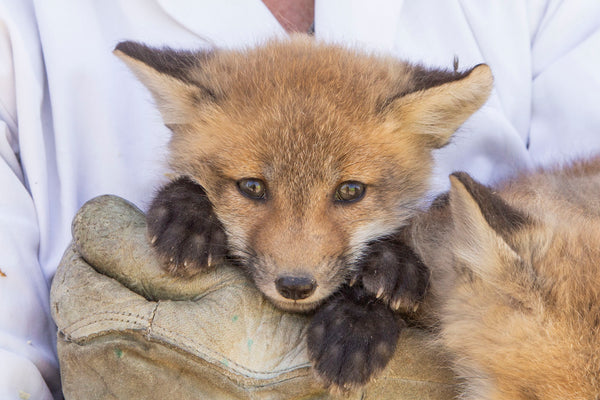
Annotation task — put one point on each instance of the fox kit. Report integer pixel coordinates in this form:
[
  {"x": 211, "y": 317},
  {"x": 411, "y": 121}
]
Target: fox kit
[
  {"x": 515, "y": 285},
  {"x": 297, "y": 159}
]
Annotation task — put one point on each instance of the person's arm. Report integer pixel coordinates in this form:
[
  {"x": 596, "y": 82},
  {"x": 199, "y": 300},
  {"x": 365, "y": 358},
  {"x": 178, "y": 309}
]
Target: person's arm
[{"x": 28, "y": 366}]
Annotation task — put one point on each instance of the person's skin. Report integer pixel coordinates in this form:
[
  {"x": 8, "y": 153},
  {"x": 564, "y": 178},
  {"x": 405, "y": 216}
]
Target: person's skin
[{"x": 293, "y": 15}]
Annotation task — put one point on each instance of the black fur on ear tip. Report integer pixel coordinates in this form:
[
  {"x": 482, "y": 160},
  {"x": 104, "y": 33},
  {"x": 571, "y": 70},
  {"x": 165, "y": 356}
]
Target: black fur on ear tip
[
  {"x": 134, "y": 49},
  {"x": 478, "y": 191},
  {"x": 166, "y": 60},
  {"x": 463, "y": 177},
  {"x": 125, "y": 46},
  {"x": 502, "y": 217}
]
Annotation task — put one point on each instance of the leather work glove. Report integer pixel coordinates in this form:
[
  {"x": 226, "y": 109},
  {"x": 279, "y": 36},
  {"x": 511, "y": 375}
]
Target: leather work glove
[{"x": 128, "y": 330}]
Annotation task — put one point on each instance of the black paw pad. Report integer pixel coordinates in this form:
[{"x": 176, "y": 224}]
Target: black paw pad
[
  {"x": 351, "y": 339},
  {"x": 183, "y": 228}
]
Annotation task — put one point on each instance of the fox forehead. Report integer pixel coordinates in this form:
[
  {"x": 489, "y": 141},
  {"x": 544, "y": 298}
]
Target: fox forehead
[
  {"x": 298, "y": 143},
  {"x": 300, "y": 136},
  {"x": 288, "y": 107},
  {"x": 352, "y": 80}
]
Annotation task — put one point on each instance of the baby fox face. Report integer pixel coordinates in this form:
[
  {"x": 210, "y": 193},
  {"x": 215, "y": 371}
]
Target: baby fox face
[
  {"x": 301, "y": 194},
  {"x": 306, "y": 151}
]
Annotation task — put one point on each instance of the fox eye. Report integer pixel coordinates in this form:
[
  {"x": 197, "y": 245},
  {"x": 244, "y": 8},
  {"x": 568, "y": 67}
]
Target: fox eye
[
  {"x": 350, "y": 191},
  {"x": 252, "y": 188}
]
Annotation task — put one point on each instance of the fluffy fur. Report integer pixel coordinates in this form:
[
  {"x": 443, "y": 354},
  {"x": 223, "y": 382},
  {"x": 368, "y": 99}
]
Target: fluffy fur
[
  {"x": 303, "y": 118},
  {"x": 515, "y": 286}
]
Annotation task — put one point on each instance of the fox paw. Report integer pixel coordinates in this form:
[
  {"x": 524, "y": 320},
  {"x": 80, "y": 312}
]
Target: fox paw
[
  {"x": 351, "y": 339},
  {"x": 393, "y": 273},
  {"x": 183, "y": 228}
]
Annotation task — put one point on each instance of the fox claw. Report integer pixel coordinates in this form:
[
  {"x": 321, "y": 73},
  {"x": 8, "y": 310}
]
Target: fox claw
[
  {"x": 353, "y": 280},
  {"x": 392, "y": 272},
  {"x": 183, "y": 228}
]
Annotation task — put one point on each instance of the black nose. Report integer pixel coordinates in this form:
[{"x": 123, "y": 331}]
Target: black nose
[{"x": 295, "y": 288}]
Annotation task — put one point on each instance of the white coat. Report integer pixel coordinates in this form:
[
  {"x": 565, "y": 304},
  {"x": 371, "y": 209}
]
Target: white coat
[{"x": 75, "y": 123}]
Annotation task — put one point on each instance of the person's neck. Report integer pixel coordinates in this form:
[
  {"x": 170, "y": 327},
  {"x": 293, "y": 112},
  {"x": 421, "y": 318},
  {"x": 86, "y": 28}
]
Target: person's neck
[{"x": 293, "y": 15}]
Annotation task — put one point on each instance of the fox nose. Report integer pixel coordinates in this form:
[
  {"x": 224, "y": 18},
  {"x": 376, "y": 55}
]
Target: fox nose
[{"x": 295, "y": 288}]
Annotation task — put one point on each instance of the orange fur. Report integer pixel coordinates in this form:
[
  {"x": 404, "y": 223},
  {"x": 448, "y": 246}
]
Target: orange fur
[
  {"x": 516, "y": 294},
  {"x": 304, "y": 117}
]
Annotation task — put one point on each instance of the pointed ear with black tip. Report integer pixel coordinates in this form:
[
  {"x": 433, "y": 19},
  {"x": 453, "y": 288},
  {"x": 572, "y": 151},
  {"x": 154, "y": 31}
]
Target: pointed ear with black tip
[
  {"x": 165, "y": 72},
  {"x": 437, "y": 111},
  {"x": 498, "y": 215},
  {"x": 483, "y": 226}
]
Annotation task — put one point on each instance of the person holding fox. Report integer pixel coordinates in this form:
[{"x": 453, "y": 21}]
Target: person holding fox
[{"x": 76, "y": 123}]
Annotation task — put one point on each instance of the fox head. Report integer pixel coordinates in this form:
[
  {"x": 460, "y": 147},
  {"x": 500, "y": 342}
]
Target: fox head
[
  {"x": 307, "y": 151},
  {"x": 519, "y": 287}
]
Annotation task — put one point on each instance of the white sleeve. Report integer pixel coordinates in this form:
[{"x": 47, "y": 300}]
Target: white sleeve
[
  {"x": 565, "y": 50},
  {"x": 28, "y": 366}
]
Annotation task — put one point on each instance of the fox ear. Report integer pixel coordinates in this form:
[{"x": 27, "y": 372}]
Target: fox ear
[
  {"x": 166, "y": 73},
  {"x": 470, "y": 198},
  {"x": 483, "y": 226},
  {"x": 446, "y": 101}
]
